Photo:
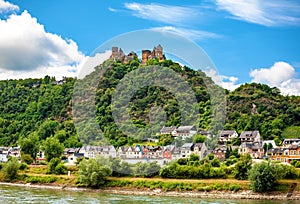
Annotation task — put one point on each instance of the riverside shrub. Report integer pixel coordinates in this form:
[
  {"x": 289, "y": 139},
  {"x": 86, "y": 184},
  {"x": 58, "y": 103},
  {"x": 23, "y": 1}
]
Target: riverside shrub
[
  {"x": 11, "y": 168},
  {"x": 93, "y": 172},
  {"x": 242, "y": 167},
  {"x": 264, "y": 176}
]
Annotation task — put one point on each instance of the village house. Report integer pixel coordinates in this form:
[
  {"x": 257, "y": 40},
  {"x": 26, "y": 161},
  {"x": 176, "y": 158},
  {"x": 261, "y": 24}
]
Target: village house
[
  {"x": 254, "y": 149},
  {"x": 291, "y": 141},
  {"x": 15, "y": 152},
  {"x": 185, "y": 132},
  {"x": 71, "y": 155},
  {"x": 167, "y": 130},
  {"x": 121, "y": 153},
  {"x": 250, "y": 137},
  {"x": 176, "y": 153},
  {"x": 227, "y": 136},
  {"x": 93, "y": 151},
  {"x": 285, "y": 154},
  {"x": 40, "y": 156},
  {"x": 133, "y": 153},
  {"x": 4, "y": 154},
  {"x": 167, "y": 151},
  {"x": 186, "y": 150},
  {"x": 276, "y": 154},
  {"x": 200, "y": 149},
  {"x": 220, "y": 152}
]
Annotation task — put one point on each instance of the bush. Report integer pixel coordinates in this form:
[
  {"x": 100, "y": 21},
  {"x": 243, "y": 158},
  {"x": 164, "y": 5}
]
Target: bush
[
  {"x": 264, "y": 177},
  {"x": 93, "y": 172},
  {"x": 11, "y": 168},
  {"x": 215, "y": 162},
  {"x": 297, "y": 164},
  {"x": 60, "y": 169},
  {"x": 27, "y": 158},
  {"x": 288, "y": 172},
  {"x": 56, "y": 167},
  {"x": 234, "y": 187},
  {"x": 210, "y": 156},
  {"x": 23, "y": 166},
  {"x": 39, "y": 179},
  {"x": 242, "y": 167}
]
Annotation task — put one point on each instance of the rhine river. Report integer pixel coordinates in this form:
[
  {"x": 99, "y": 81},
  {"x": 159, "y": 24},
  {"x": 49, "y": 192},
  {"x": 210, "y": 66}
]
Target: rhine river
[{"x": 16, "y": 194}]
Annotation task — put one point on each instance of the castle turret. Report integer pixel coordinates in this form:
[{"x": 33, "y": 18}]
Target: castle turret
[
  {"x": 158, "y": 52},
  {"x": 145, "y": 56}
]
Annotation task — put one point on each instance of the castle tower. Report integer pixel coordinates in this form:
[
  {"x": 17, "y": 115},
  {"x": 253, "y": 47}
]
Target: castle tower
[
  {"x": 121, "y": 55},
  {"x": 159, "y": 52},
  {"x": 114, "y": 52},
  {"x": 145, "y": 56}
]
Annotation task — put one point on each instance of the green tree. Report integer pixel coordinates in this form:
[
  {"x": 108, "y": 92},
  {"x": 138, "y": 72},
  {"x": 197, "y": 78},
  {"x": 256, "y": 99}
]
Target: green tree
[
  {"x": 47, "y": 129},
  {"x": 30, "y": 145},
  {"x": 215, "y": 162},
  {"x": 93, "y": 172},
  {"x": 291, "y": 132},
  {"x": 152, "y": 169},
  {"x": 194, "y": 157},
  {"x": 11, "y": 168},
  {"x": 264, "y": 176},
  {"x": 55, "y": 166},
  {"x": 53, "y": 148},
  {"x": 199, "y": 138},
  {"x": 242, "y": 167},
  {"x": 26, "y": 158}
]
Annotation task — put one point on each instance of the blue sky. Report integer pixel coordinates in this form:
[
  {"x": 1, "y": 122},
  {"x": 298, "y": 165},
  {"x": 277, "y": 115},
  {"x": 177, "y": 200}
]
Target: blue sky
[{"x": 248, "y": 40}]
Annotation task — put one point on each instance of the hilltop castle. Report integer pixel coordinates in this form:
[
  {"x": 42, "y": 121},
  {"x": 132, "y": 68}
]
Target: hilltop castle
[{"x": 157, "y": 53}]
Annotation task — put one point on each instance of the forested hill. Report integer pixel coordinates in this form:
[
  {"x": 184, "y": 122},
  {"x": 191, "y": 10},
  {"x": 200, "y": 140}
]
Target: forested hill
[
  {"x": 259, "y": 107},
  {"x": 36, "y": 106},
  {"x": 43, "y": 106}
]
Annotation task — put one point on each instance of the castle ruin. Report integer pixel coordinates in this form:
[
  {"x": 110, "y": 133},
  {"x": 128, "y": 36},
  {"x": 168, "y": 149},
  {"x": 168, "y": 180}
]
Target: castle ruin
[{"x": 157, "y": 53}]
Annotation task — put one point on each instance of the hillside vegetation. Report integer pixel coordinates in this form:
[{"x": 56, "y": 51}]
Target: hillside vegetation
[{"x": 44, "y": 107}]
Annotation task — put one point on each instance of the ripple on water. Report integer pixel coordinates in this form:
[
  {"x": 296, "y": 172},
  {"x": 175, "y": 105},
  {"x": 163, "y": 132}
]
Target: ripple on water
[{"x": 18, "y": 194}]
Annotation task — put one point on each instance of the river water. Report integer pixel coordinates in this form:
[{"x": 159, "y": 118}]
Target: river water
[{"x": 16, "y": 194}]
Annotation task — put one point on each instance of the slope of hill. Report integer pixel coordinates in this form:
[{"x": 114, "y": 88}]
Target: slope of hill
[
  {"x": 259, "y": 107},
  {"x": 43, "y": 106}
]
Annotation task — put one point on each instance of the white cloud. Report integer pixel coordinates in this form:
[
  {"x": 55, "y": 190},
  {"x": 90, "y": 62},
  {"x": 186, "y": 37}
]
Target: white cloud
[
  {"x": 88, "y": 65},
  {"x": 281, "y": 74},
  {"x": 275, "y": 75},
  {"x": 112, "y": 9},
  {"x": 6, "y": 7},
  {"x": 226, "y": 82},
  {"x": 175, "y": 15},
  {"x": 188, "y": 33},
  {"x": 27, "y": 49},
  {"x": 264, "y": 12}
]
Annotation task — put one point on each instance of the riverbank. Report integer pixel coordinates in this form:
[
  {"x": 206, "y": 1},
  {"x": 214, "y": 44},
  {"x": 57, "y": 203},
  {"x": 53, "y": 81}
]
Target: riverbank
[{"x": 242, "y": 194}]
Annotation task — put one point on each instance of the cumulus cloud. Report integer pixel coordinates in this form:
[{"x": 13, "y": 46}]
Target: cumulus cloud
[
  {"x": 6, "y": 7},
  {"x": 88, "y": 65},
  {"x": 226, "y": 82},
  {"x": 281, "y": 75},
  {"x": 25, "y": 47},
  {"x": 266, "y": 12},
  {"x": 188, "y": 33},
  {"x": 164, "y": 13}
]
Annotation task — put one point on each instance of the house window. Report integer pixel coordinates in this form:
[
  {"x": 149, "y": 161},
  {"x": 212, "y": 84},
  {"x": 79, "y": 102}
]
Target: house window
[
  {"x": 294, "y": 152},
  {"x": 299, "y": 152}
]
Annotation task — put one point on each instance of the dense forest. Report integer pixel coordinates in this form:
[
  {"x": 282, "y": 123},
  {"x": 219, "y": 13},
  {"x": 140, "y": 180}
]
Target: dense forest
[{"x": 43, "y": 107}]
